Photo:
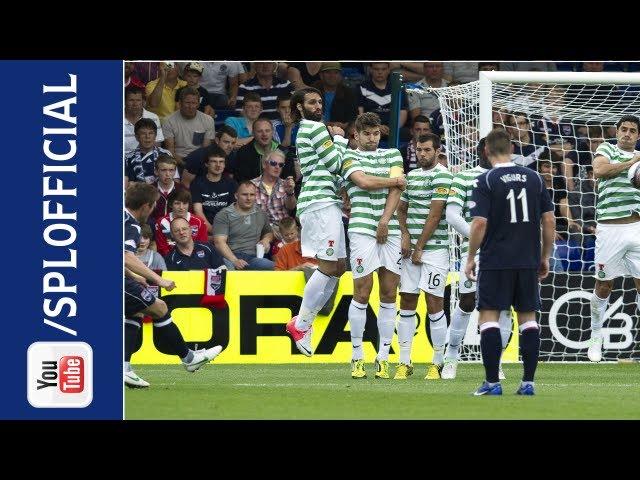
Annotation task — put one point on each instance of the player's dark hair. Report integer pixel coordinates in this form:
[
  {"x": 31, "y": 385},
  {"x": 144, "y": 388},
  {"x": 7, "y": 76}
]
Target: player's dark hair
[
  {"x": 628, "y": 118},
  {"x": 283, "y": 97},
  {"x": 367, "y": 120},
  {"x": 498, "y": 142},
  {"x": 298, "y": 99},
  {"x": 140, "y": 194},
  {"x": 430, "y": 137},
  {"x": 483, "y": 161}
]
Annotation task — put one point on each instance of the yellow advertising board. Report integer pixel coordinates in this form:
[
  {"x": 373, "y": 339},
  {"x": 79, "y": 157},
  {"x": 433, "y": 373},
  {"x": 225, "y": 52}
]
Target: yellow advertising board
[{"x": 252, "y": 329}]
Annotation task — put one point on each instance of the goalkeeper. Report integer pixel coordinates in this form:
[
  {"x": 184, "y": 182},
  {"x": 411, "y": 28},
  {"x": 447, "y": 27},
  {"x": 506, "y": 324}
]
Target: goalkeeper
[{"x": 458, "y": 215}]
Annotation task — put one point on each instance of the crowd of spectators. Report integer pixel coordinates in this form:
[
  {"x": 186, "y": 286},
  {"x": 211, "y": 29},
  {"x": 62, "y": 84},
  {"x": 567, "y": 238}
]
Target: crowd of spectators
[{"x": 218, "y": 142}]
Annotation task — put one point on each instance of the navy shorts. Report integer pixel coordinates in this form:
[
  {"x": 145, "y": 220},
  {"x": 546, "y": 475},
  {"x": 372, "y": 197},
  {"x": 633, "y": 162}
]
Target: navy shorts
[
  {"x": 136, "y": 297},
  {"x": 502, "y": 289}
]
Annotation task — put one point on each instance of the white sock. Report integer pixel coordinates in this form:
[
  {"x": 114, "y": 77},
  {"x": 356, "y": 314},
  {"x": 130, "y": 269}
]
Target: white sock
[
  {"x": 598, "y": 308},
  {"x": 316, "y": 293},
  {"x": 506, "y": 325},
  {"x": 457, "y": 330},
  {"x": 438, "y": 327},
  {"x": 357, "y": 321},
  {"x": 127, "y": 366},
  {"x": 386, "y": 325},
  {"x": 638, "y": 301},
  {"x": 406, "y": 331}
]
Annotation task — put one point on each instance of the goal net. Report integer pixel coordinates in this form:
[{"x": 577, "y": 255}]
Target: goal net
[{"x": 555, "y": 127}]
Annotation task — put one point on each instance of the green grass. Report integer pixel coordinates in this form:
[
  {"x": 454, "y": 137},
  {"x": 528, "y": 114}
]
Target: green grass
[{"x": 327, "y": 391}]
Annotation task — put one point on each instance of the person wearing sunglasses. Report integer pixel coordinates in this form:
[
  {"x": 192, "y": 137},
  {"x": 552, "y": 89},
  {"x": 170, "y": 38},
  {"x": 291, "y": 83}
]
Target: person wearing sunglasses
[{"x": 275, "y": 195}]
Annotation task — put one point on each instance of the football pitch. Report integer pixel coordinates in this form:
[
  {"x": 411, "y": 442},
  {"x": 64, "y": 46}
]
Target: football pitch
[{"x": 327, "y": 391}]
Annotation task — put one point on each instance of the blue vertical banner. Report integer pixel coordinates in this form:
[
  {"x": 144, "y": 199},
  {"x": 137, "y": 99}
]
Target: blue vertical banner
[{"x": 63, "y": 241}]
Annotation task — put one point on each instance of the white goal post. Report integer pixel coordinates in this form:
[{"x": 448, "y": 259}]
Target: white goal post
[{"x": 560, "y": 117}]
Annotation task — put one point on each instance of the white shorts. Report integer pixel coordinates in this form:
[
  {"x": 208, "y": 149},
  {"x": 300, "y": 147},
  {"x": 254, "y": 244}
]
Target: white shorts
[
  {"x": 430, "y": 277},
  {"x": 323, "y": 234},
  {"x": 466, "y": 285},
  {"x": 617, "y": 250},
  {"x": 368, "y": 255}
]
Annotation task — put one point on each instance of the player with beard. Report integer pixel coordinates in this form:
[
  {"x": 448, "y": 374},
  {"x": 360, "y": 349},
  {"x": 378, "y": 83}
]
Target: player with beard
[
  {"x": 319, "y": 209},
  {"x": 458, "y": 215},
  {"x": 425, "y": 252},
  {"x": 374, "y": 238}
]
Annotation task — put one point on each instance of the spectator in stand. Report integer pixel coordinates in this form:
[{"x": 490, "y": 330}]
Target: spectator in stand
[
  {"x": 411, "y": 71},
  {"x": 461, "y": 72},
  {"x": 150, "y": 258},
  {"x": 528, "y": 66},
  {"x": 239, "y": 228},
  {"x": 134, "y": 111},
  {"x": 267, "y": 85},
  {"x": 212, "y": 192},
  {"x": 374, "y": 95},
  {"x": 284, "y": 129},
  {"x": 488, "y": 66},
  {"x": 161, "y": 92},
  {"x": 196, "y": 161},
  {"x": 248, "y": 160},
  {"x": 303, "y": 74},
  {"x": 165, "y": 172},
  {"x": 215, "y": 77},
  {"x": 187, "y": 254},
  {"x": 421, "y": 126},
  {"x": 565, "y": 247},
  {"x": 131, "y": 79},
  {"x": 575, "y": 161},
  {"x": 289, "y": 233},
  {"x": 582, "y": 203},
  {"x": 139, "y": 164},
  {"x": 527, "y": 146},
  {"x": 187, "y": 129},
  {"x": 275, "y": 195},
  {"x": 427, "y": 103},
  {"x": 191, "y": 74},
  {"x": 179, "y": 203},
  {"x": 339, "y": 103},
  {"x": 251, "y": 110}
]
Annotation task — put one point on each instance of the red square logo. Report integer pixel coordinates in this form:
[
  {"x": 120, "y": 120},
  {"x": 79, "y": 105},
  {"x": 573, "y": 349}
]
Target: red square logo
[{"x": 71, "y": 374}]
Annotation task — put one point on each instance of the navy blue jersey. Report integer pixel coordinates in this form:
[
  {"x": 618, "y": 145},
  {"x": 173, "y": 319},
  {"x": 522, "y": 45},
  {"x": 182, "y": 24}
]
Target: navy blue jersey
[
  {"x": 131, "y": 233},
  {"x": 512, "y": 199}
]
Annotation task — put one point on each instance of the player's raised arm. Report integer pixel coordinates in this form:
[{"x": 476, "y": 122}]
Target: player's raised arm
[
  {"x": 602, "y": 166},
  {"x": 455, "y": 202}
]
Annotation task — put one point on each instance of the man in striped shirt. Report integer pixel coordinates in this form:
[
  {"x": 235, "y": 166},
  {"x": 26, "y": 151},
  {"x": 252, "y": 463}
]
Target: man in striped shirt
[
  {"x": 458, "y": 215},
  {"x": 319, "y": 209},
  {"x": 618, "y": 215},
  {"x": 374, "y": 237},
  {"x": 425, "y": 252},
  {"x": 268, "y": 86}
]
